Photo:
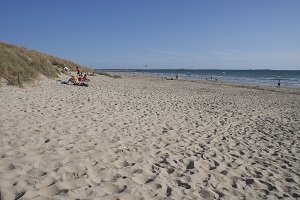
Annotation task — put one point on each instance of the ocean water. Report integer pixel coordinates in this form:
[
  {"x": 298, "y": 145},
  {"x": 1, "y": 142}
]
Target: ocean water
[{"x": 288, "y": 78}]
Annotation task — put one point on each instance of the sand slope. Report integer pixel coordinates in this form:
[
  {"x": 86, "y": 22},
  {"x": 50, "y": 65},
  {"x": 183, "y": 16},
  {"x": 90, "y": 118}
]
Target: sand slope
[{"x": 145, "y": 138}]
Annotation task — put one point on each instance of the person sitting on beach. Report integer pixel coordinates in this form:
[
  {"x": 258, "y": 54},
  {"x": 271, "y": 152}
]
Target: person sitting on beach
[
  {"x": 74, "y": 80},
  {"x": 91, "y": 74},
  {"x": 84, "y": 78},
  {"x": 80, "y": 76}
]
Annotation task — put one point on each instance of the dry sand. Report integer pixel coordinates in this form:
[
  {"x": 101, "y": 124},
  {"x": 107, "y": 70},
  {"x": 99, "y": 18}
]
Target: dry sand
[{"x": 146, "y": 138}]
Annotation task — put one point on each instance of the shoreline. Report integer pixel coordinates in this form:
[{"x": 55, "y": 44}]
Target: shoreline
[
  {"x": 267, "y": 78},
  {"x": 282, "y": 89}
]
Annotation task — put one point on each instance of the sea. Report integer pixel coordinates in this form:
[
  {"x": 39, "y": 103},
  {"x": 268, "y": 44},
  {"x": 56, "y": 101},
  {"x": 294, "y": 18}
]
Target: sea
[{"x": 287, "y": 78}]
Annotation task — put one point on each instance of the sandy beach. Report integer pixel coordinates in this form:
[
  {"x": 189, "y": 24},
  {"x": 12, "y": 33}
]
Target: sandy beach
[{"x": 147, "y": 138}]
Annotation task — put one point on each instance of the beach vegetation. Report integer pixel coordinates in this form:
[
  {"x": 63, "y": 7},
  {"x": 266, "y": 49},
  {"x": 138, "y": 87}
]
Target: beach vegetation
[{"x": 19, "y": 64}]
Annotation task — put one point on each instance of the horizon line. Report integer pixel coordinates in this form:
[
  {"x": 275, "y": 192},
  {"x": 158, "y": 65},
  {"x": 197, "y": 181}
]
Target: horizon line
[{"x": 192, "y": 69}]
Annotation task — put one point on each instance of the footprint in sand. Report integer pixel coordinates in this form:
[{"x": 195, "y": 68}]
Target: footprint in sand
[
  {"x": 45, "y": 182},
  {"x": 51, "y": 191},
  {"x": 36, "y": 172},
  {"x": 19, "y": 195},
  {"x": 182, "y": 184},
  {"x": 94, "y": 177},
  {"x": 111, "y": 188},
  {"x": 140, "y": 177},
  {"x": 109, "y": 175}
]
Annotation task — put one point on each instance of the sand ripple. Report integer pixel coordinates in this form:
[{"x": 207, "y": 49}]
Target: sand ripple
[{"x": 145, "y": 138}]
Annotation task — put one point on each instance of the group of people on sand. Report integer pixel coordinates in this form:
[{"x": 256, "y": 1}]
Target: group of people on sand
[{"x": 79, "y": 79}]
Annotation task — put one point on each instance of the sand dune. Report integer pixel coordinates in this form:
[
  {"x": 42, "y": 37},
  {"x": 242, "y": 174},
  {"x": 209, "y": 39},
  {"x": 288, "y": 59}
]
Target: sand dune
[{"x": 146, "y": 138}]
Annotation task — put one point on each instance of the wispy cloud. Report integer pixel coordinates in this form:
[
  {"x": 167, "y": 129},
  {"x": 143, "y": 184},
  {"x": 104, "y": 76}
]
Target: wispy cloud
[{"x": 230, "y": 59}]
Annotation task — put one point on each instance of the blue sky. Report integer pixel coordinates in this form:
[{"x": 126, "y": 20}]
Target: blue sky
[{"x": 207, "y": 34}]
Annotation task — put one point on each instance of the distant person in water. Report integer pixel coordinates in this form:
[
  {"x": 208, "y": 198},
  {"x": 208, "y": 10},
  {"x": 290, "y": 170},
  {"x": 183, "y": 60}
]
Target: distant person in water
[
  {"x": 176, "y": 76},
  {"x": 210, "y": 77},
  {"x": 278, "y": 84}
]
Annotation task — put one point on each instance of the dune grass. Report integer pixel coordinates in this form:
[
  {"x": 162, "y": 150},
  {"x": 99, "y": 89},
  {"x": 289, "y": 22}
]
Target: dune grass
[{"x": 30, "y": 64}]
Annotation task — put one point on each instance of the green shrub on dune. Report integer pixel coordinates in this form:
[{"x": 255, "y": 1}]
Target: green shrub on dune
[{"x": 30, "y": 64}]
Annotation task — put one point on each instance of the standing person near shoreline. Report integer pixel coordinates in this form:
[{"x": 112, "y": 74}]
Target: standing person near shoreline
[
  {"x": 278, "y": 84},
  {"x": 77, "y": 71}
]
